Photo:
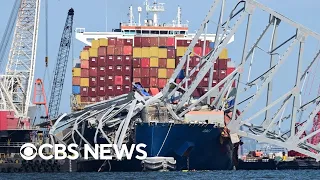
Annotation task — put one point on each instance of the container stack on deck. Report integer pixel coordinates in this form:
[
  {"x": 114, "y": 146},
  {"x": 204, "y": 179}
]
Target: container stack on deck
[{"x": 109, "y": 66}]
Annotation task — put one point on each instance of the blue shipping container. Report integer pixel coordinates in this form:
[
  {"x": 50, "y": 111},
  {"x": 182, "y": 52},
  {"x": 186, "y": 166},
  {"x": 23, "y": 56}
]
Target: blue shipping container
[
  {"x": 211, "y": 45},
  {"x": 75, "y": 89}
]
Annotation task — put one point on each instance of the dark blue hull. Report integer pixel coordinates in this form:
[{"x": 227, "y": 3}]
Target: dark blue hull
[{"x": 194, "y": 147}]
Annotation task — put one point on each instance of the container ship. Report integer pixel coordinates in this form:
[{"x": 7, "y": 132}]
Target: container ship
[{"x": 147, "y": 54}]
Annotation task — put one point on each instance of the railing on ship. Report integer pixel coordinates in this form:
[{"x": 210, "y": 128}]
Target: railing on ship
[{"x": 160, "y": 25}]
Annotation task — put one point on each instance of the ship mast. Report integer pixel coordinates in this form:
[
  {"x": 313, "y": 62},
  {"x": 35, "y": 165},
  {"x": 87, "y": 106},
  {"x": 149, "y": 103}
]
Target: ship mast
[
  {"x": 179, "y": 17},
  {"x": 155, "y": 8},
  {"x": 131, "y": 16}
]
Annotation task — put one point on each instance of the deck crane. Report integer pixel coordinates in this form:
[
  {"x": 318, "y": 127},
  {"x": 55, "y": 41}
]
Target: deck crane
[
  {"x": 264, "y": 123},
  {"x": 61, "y": 66}
]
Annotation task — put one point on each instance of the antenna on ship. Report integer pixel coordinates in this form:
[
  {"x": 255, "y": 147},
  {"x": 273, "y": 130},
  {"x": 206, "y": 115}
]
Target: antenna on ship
[
  {"x": 179, "y": 16},
  {"x": 131, "y": 17},
  {"x": 139, "y": 11},
  {"x": 155, "y": 8}
]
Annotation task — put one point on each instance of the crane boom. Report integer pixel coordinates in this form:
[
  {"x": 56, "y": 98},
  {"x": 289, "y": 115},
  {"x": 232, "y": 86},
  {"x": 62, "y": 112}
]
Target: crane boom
[{"x": 61, "y": 66}]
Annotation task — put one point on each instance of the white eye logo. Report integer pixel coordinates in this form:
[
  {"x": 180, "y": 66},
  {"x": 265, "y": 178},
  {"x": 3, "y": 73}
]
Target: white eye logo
[{"x": 28, "y": 151}]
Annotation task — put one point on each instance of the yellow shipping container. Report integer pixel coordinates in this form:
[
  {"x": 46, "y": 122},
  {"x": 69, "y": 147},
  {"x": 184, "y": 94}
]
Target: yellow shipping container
[
  {"x": 163, "y": 53},
  {"x": 162, "y": 73},
  {"x": 154, "y": 52},
  {"x": 103, "y": 42},
  {"x": 84, "y": 55},
  {"x": 145, "y": 52},
  {"x": 76, "y": 72},
  {"x": 84, "y": 82},
  {"x": 93, "y": 52},
  {"x": 78, "y": 99},
  {"x": 137, "y": 52},
  {"x": 95, "y": 44},
  {"x": 224, "y": 54},
  {"x": 181, "y": 51},
  {"x": 154, "y": 62},
  {"x": 171, "y": 64}
]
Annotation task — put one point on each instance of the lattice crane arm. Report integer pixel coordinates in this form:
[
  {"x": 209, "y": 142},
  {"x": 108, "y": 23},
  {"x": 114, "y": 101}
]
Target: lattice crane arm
[{"x": 61, "y": 66}]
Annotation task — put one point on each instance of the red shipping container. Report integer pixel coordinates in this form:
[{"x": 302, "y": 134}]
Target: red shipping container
[
  {"x": 110, "y": 50},
  {"x": 118, "y": 80},
  {"x": 198, "y": 44},
  {"x": 128, "y": 42},
  {"x": 170, "y": 42},
  {"x": 162, "y": 83},
  {"x": 214, "y": 82},
  {"x": 85, "y": 73},
  {"x": 93, "y": 72},
  {"x": 118, "y": 90},
  {"x": 118, "y": 70},
  {"x": 137, "y": 80},
  {"x": 102, "y": 61},
  {"x": 120, "y": 42},
  {"x": 110, "y": 70},
  {"x": 127, "y": 50},
  {"x": 110, "y": 89},
  {"x": 197, "y": 51},
  {"x": 101, "y": 91},
  {"x": 86, "y": 47},
  {"x": 93, "y": 99},
  {"x": 182, "y": 43},
  {"x": 127, "y": 70},
  {"x": 136, "y": 72},
  {"x": 145, "y": 42},
  {"x": 216, "y": 64},
  {"x": 84, "y": 99},
  {"x": 127, "y": 80},
  {"x": 223, "y": 64},
  {"x": 170, "y": 72},
  {"x": 92, "y": 81},
  {"x": 112, "y": 41},
  {"x": 102, "y": 51},
  {"x": 162, "y": 41},
  {"x": 92, "y": 91},
  {"x": 222, "y": 74},
  {"x": 84, "y": 91},
  {"x": 137, "y": 42},
  {"x": 110, "y": 60},
  {"x": 84, "y": 64},
  {"x": 207, "y": 51},
  {"x": 194, "y": 60},
  {"x": 118, "y": 50},
  {"x": 154, "y": 41},
  {"x": 178, "y": 58},
  {"x": 102, "y": 71},
  {"x": 136, "y": 62},
  {"x": 118, "y": 60},
  {"x": 230, "y": 70},
  {"x": 101, "y": 98},
  {"x": 76, "y": 81},
  {"x": 145, "y": 72},
  {"x": 153, "y": 72},
  {"x": 196, "y": 93},
  {"x": 162, "y": 63},
  {"x": 207, "y": 43},
  {"x": 171, "y": 53},
  {"x": 101, "y": 81},
  {"x": 216, "y": 74},
  {"x": 127, "y": 60},
  {"x": 153, "y": 82},
  {"x": 145, "y": 62},
  {"x": 204, "y": 82},
  {"x": 126, "y": 89},
  {"x": 93, "y": 62},
  {"x": 109, "y": 79},
  {"x": 145, "y": 82}
]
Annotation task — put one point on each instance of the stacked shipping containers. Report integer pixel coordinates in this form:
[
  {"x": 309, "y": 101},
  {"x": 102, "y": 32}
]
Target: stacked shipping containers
[{"x": 109, "y": 66}]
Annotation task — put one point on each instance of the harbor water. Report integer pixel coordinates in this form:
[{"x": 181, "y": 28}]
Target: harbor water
[{"x": 214, "y": 175}]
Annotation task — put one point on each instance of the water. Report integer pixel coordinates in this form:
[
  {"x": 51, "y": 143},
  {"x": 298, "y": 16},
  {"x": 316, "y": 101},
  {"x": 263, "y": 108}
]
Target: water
[{"x": 214, "y": 175}]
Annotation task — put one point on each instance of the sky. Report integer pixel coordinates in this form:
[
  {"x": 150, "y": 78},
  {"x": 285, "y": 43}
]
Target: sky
[{"x": 92, "y": 16}]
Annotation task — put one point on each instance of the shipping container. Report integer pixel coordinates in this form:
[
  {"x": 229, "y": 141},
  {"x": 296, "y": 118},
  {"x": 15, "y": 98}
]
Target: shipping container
[
  {"x": 110, "y": 89},
  {"x": 110, "y": 60},
  {"x": 84, "y": 99},
  {"x": 118, "y": 80},
  {"x": 84, "y": 64},
  {"x": 154, "y": 62},
  {"x": 153, "y": 72},
  {"x": 137, "y": 42},
  {"x": 207, "y": 43},
  {"x": 170, "y": 42},
  {"x": 92, "y": 91},
  {"x": 197, "y": 51},
  {"x": 93, "y": 52},
  {"x": 102, "y": 98},
  {"x": 75, "y": 89},
  {"x": 127, "y": 60},
  {"x": 154, "y": 51},
  {"x": 145, "y": 72},
  {"x": 145, "y": 82},
  {"x": 102, "y": 51},
  {"x": 93, "y": 62},
  {"x": 84, "y": 91},
  {"x": 137, "y": 52},
  {"x": 102, "y": 61},
  {"x": 194, "y": 61},
  {"x": 127, "y": 70},
  {"x": 182, "y": 43},
  {"x": 136, "y": 72},
  {"x": 145, "y": 62},
  {"x": 95, "y": 44},
  {"x": 223, "y": 64},
  {"x": 118, "y": 50},
  {"x": 222, "y": 74},
  {"x": 171, "y": 64},
  {"x": 137, "y": 80},
  {"x": 128, "y": 42},
  {"x": 136, "y": 62},
  {"x": 162, "y": 73},
  {"x": 118, "y": 69},
  {"x": 196, "y": 93},
  {"x": 118, "y": 60},
  {"x": 101, "y": 81},
  {"x": 127, "y": 80},
  {"x": 162, "y": 63},
  {"x": 162, "y": 83},
  {"x": 109, "y": 79},
  {"x": 93, "y": 71},
  {"x": 207, "y": 51},
  {"x": 126, "y": 89},
  {"x": 230, "y": 70},
  {"x": 153, "y": 82},
  {"x": 112, "y": 41},
  {"x": 162, "y": 52},
  {"x": 76, "y": 81},
  {"x": 86, "y": 48},
  {"x": 154, "y": 41},
  {"x": 85, "y": 73},
  {"x": 84, "y": 55},
  {"x": 211, "y": 45},
  {"x": 110, "y": 50},
  {"x": 145, "y": 52},
  {"x": 78, "y": 65},
  {"x": 92, "y": 99},
  {"x": 170, "y": 72},
  {"x": 101, "y": 91},
  {"x": 145, "y": 42},
  {"x": 120, "y": 42},
  {"x": 76, "y": 72},
  {"x": 162, "y": 41},
  {"x": 118, "y": 90},
  {"x": 93, "y": 81},
  {"x": 103, "y": 42},
  {"x": 204, "y": 82},
  {"x": 102, "y": 71},
  {"x": 110, "y": 70},
  {"x": 181, "y": 51},
  {"x": 224, "y": 54},
  {"x": 127, "y": 50},
  {"x": 171, "y": 53}
]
